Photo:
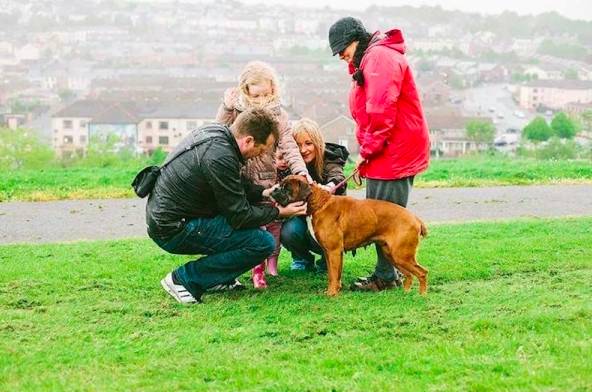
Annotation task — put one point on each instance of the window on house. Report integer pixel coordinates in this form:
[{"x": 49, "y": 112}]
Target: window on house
[
  {"x": 191, "y": 125},
  {"x": 82, "y": 123},
  {"x": 148, "y": 124},
  {"x": 163, "y": 125},
  {"x": 148, "y": 139},
  {"x": 67, "y": 124},
  {"x": 163, "y": 140},
  {"x": 68, "y": 139},
  {"x": 82, "y": 139}
]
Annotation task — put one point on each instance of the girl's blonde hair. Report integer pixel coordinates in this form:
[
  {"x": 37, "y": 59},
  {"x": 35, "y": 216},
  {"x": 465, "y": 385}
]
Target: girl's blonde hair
[
  {"x": 312, "y": 130},
  {"x": 257, "y": 72}
]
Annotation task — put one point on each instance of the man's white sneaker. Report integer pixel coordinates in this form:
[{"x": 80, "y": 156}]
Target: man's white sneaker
[{"x": 177, "y": 291}]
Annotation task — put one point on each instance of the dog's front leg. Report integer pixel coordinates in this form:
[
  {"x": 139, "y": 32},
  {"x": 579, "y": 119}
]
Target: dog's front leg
[{"x": 334, "y": 267}]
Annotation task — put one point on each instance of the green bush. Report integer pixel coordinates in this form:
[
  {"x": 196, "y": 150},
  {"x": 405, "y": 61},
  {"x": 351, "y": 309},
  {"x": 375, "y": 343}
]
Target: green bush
[
  {"x": 563, "y": 126},
  {"x": 557, "y": 149},
  {"x": 537, "y": 130},
  {"x": 22, "y": 149},
  {"x": 480, "y": 131},
  {"x": 157, "y": 157}
]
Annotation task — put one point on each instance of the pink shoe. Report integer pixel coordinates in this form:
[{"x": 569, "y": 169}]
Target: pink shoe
[
  {"x": 272, "y": 262},
  {"x": 258, "y": 275}
]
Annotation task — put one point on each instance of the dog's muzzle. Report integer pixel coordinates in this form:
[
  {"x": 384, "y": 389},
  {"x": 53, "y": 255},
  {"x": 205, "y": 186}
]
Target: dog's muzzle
[{"x": 281, "y": 195}]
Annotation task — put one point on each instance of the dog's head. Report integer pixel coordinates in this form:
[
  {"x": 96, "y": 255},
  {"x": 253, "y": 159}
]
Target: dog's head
[{"x": 292, "y": 189}]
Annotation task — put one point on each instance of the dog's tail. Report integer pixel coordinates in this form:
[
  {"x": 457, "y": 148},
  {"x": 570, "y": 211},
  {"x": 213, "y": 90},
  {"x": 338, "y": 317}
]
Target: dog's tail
[{"x": 423, "y": 231}]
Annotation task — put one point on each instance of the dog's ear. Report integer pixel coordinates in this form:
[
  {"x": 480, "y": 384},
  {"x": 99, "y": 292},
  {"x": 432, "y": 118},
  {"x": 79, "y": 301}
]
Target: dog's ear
[{"x": 303, "y": 190}]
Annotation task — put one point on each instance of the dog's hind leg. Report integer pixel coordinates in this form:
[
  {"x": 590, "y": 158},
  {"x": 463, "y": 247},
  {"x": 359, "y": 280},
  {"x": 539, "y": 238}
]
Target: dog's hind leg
[
  {"x": 422, "y": 276},
  {"x": 408, "y": 277},
  {"x": 406, "y": 260},
  {"x": 410, "y": 263}
]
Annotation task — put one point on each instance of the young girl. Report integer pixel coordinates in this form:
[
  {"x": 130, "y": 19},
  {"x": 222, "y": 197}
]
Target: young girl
[
  {"x": 258, "y": 87},
  {"x": 325, "y": 162}
]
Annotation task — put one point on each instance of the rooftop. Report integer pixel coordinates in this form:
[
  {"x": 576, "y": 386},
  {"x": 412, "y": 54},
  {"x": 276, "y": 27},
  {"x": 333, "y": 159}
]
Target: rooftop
[
  {"x": 562, "y": 84},
  {"x": 109, "y": 112}
]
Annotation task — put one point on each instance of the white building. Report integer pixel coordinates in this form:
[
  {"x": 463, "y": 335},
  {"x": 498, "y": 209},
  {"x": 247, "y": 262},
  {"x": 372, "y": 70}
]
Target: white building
[
  {"x": 544, "y": 72},
  {"x": 554, "y": 94},
  {"x": 142, "y": 128}
]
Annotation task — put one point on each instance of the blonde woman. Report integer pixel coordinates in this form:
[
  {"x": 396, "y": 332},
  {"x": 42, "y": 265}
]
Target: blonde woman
[
  {"x": 258, "y": 87},
  {"x": 325, "y": 162}
]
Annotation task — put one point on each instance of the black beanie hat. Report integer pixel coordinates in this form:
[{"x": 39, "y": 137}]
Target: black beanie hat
[{"x": 344, "y": 32}]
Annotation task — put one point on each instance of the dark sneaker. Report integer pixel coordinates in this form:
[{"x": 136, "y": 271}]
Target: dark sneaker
[
  {"x": 302, "y": 265},
  {"x": 322, "y": 266},
  {"x": 230, "y": 286},
  {"x": 177, "y": 290},
  {"x": 374, "y": 283}
]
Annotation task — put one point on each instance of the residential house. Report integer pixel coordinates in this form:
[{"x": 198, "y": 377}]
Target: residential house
[
  {"x": 526, "y": 47},
  {"x": 341, "y": 130},
  {"x": 492, "y": 73},
  {"x": 554, "y": 94},
  {"x": 448, "y": 135},
  {"x": 545, "y": 72},
  {"x": 13, "y": 120},
  {"x": 433, "y": 89},
  {"x": 432, "y": 44},
  {"x": 164, "y": 125},
  {"x": 75, "y": 125},
  {"x": 141, "y": 127},
  {"x": 578, "y": 108}
]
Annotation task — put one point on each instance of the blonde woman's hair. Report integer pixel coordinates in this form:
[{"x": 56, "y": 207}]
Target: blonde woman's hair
[
  {"x": 312, "y": 130},
  {"x": 257, "y": 72}
]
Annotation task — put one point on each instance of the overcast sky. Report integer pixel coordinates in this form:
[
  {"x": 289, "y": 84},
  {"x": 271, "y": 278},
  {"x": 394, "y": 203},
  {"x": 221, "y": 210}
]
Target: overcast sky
[{"x": 575, "y": 9}]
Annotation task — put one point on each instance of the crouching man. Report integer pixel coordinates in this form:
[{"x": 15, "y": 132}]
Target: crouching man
[{"x": 202, "y": 205}]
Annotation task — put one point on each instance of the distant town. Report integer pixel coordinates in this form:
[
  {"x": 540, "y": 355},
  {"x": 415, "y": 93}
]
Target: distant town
[{"x": 150, "y": 72}]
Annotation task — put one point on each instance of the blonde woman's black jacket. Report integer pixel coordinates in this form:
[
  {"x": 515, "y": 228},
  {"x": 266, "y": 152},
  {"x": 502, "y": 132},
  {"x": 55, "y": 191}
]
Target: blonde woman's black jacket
[
  {"x": 335, "y": 158},
  {"x": 205, "y": 182}
]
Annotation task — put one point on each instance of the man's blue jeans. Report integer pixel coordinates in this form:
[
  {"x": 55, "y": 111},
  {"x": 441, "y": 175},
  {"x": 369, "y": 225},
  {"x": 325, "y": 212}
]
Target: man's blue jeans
[{"x": 229, "y": 252}]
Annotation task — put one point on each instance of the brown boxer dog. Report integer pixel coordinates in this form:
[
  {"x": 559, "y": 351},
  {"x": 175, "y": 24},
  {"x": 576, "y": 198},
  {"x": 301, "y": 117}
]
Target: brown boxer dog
[{"x": 343, "y": 223}]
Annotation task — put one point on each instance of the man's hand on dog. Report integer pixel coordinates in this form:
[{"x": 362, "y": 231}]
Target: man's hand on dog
[{"x": 292, "y": 209}]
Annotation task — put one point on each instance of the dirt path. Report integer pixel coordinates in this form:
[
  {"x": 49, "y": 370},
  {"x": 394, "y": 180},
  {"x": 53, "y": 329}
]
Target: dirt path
[{"x": 75, "y": 220}]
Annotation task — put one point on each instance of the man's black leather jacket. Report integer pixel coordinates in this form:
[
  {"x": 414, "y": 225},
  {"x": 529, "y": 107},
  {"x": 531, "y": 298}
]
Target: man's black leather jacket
[{"x": 203, "y": 182}]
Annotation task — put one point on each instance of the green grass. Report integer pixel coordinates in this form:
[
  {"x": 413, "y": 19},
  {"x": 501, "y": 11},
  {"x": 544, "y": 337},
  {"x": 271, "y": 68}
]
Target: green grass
[
  {"x": 114, "y": 182},
  {"x": 67, "y": 183},
  {"x": 508, "y": 309},
  {"x": 497, "y": 170}
]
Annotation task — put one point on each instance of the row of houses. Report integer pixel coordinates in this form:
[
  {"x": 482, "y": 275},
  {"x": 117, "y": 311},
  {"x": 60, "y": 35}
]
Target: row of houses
[
  {"x": 555, "y": 94},
  {"x": 142, "y": 127},
  {"x": 148, "y": 126}
]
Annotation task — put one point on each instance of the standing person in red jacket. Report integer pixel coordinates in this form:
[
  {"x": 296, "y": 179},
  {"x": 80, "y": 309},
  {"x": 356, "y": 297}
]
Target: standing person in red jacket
[{"x": 390, "y": 125}]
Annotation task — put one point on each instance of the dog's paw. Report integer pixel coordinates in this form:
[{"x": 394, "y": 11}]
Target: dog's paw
[{"x": 332, "y": 292}]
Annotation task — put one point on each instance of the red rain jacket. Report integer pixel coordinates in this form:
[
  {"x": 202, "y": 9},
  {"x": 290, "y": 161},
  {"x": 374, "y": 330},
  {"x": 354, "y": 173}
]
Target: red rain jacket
[{"x": 391, "y": 128}]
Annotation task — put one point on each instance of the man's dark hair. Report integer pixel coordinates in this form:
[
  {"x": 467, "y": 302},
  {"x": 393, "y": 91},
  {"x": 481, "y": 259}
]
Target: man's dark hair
[{"x": 259, "y": 123}]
